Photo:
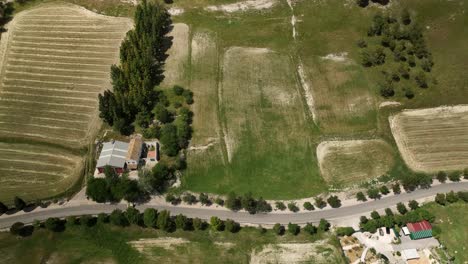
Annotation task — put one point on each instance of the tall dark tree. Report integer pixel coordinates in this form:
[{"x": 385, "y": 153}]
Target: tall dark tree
[
  {"x": 140, "y": 69},
  {"x": 19, "y": 203}
]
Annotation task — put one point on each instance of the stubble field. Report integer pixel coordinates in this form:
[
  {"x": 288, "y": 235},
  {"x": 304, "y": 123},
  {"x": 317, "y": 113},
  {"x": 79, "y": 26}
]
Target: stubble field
[
  {"x": 55, "y": 60},
  {"x": 433, "y": 139}
]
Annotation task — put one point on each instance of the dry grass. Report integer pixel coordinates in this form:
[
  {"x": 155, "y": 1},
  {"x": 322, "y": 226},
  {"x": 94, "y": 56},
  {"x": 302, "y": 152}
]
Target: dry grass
[
  {"x": 175, "y": 70},
  {"x": 353, "y": 161},
  {"x": 55, "y": 60},
  {"x": 432, "y": 139}
]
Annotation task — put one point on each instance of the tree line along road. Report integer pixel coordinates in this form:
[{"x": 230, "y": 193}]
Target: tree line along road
[{"x": 242, "y": 217}]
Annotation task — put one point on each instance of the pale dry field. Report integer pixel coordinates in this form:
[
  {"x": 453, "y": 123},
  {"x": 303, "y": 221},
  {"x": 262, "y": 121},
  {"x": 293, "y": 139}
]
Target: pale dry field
[
  {"x": 56, "y": 59},
  {"x": 432, "y": 139},
  {"x": 317, "y": 252},
  {"x": 176, "y": 67},
  {"x": 354, "y": 161},
  {"x": 33, "y": 172}
]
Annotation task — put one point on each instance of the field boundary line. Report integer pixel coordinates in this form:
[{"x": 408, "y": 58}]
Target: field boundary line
[
  {"x": 56, "y": 69},
  {"x": 50, "y": 96},
  {"x": 36, "y": 102}
]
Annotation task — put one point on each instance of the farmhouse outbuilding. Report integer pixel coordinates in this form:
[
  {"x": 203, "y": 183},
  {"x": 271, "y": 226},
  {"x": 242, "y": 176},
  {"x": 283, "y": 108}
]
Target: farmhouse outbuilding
[
  {"x": 113, "y": 154},
  {"x": 134, "y": 153},
  {"x": 420, "y": 230}
]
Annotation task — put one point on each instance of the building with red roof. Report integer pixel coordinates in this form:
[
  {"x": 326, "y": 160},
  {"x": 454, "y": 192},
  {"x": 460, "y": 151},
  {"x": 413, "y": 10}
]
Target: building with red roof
[{"x": 418, "y": 230}]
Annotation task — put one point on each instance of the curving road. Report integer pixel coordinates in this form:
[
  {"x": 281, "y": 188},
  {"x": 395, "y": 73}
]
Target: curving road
[{"x": 241, "y": 217}]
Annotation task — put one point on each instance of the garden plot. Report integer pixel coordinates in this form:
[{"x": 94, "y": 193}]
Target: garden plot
[
  {"x": 175, "y": 70},
  {"x": 433, "y": 139},
  {"x": 56, "y": 61},
  {"x": 33, "y": 172},
  {"x": 354, "y": 161}
]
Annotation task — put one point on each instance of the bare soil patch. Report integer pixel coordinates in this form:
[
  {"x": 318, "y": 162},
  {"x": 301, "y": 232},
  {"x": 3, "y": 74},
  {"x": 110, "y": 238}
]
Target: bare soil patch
[
  {"x": 243, "y": 6},
  {"x": 432, "y": 139}
]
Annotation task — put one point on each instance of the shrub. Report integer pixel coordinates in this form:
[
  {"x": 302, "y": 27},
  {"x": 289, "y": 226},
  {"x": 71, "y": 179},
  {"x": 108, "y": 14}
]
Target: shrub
[
  {"x": 216, "y": 223},
  {"x": 278, "y": 229},
  {"x": 232, "y": 226},
  {"x": 293, "y": 229},
  {"x": 375, "y": 215},
  {"x": 360, "y": 196},
  {"x": 344, "y": 231},
  {"x": 440, "y": 199},
  {"x": 178, "y": 90},
  {"x": 182, "y": 222},
  {"x": 401, "y": 208},
  {"x": 319, "y": 202},
  {"x": 451, "y": 197},
  {"x": 324, "y": 225},
  {"x": 3, "y": 208},
  {"x": 280, "y": 206},
  {"x": 19, "y": 203},
  {"x": 117, "y": 218},
  {"x": 198, "y": 224},
  {"x": 363, "y": 219},
  {"x": 309, "y": 206},
  {"x": 133, "y": 215},
  {"x": 413, "y": 205},
  {"x": 16, "y": 228},
  {"x": 204, "y": 199},
  {"x": 421, "y": 79},
  {"x": 362, "y": 3},
  {"x": 441, "y": 176},
  {"x": 388, "y": 212},
  {"x": 333, "y": 201},
  {"x": 396, "y": 188},
  {"x": 454, "y": 176},
  {"x": 463, "y": 196},
  {"x": 150, "y": 216},
  {"x": 405, "y": 17},
  {"x": 233, "y": 202},
  {"x": 409, "y": 93},
  {"x": 373, "y": 193},
  {"x": 384, "y": 190},
  {"x": 87, "y": 220},
  {"x": 361, "y": 43},
  {"x": 52, "y": 224},
  {"x": 70, "y": 221},
  {"x": 189, "y": 198},
  {"x": 309, "y": 228},
  {"x": 293, "y": 207},
  {"x": 219, "y": 201}
]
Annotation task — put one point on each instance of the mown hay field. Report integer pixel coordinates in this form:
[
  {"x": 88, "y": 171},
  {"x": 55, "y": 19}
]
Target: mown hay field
[
  {"x": 55, "y": 60},
  {"x": 354, "y": 161},
  {"x": 433, "y": 139}
]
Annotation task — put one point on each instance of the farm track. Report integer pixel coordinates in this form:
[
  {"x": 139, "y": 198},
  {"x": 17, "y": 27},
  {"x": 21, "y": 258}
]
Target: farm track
[{"x": 56, "y": 61}]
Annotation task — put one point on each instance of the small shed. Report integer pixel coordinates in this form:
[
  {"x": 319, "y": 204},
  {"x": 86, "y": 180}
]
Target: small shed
[
  {"x": 409, "y": 254},
  {"x": 405, "y": 231},
  {"x": 418, "y": 230}
]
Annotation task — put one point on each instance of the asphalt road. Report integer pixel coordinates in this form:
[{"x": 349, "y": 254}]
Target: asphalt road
[{"x": 241, "y": 217}]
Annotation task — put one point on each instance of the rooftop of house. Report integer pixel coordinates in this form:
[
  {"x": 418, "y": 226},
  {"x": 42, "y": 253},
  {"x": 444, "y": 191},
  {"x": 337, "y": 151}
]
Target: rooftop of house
[
  {"x": 113, "y": 154},
  {"x": 134, "y": 149},
  {"x": 419, "y": 226}
]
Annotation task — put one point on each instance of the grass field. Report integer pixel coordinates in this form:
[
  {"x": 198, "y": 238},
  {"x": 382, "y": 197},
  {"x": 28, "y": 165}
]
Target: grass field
[
  {"x": 454, "y": 233},
  {"x": 355, "y": 161},
  {"x": 106, "y": 244},
  {"x": 175, "y": 70},
  {"x": 55, "y": 60},
  {"x": 432, "y": 139}
]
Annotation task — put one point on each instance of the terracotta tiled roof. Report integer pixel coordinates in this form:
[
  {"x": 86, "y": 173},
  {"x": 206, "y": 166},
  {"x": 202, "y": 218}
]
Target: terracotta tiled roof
[
  {"x": 419, "y": 226},
  {"x": 134, "y": 149}
]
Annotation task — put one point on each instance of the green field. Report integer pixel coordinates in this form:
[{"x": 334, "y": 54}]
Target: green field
[
  {"x": 454, "y": 233},
  {"x": 107, "y": 244}
]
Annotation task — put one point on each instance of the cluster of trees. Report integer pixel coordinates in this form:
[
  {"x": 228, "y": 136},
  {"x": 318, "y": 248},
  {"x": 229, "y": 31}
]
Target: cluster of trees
[
  {"x": 295, "y": 229},
  {"x": 247, "y": 202},
  {"x": 113, "y": 188},
  {"x": 20, "y": 204},
  {"x": 403, "y": 40},
  {"x": 142, "y": 55},
  {"x": 376, "y": 193},
  {"x": 365, "y": 3},
  {"x": 454, "y": 176},
  {"x": 390, "y": 219},
  {"x": 6, "y": 12},
  {"x": 319, "y": 202},
  {"x": 189, "y": 198},
  {"x": 451, "y": 197}
]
